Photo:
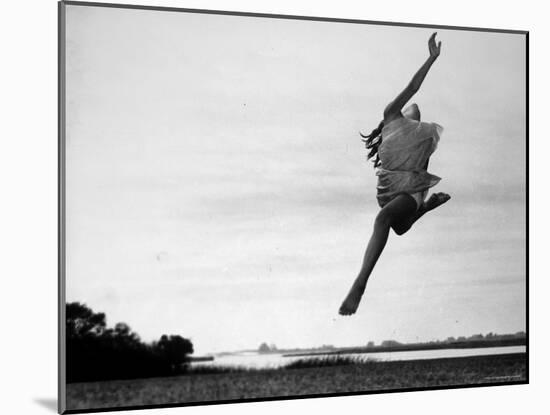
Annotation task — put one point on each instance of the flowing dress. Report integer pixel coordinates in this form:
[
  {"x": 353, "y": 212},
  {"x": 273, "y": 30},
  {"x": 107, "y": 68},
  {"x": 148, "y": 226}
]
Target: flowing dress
[{"x": 404, "y": 153}]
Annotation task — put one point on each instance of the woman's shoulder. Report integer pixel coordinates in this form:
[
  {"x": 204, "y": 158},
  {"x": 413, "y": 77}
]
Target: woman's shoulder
[
  {"x": 394, "y": 123},
  {"x": 403, "y": 125},
  {"x": 430, "y": 127}
]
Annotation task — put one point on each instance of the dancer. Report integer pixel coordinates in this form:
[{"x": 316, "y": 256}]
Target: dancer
[{"x": 401, "y": 147}]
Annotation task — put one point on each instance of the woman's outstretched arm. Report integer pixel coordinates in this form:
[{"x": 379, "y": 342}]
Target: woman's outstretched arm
[{"x": 393, "y": 110}]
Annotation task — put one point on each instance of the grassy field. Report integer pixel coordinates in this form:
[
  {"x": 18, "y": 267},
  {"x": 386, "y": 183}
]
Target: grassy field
[{"x": 300, "y": 379}]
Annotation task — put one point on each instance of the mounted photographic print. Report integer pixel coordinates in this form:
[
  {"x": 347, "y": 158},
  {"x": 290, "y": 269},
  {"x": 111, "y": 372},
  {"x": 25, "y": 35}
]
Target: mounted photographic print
[{"x": 258, "y": 207}]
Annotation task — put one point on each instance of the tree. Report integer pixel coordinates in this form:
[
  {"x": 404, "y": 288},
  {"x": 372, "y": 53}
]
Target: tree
[
  {"x": 174, "y": 349},
  {"x": 264, "y": 348},
  {"x": 476, "y": 337},
  {"x": 83, "y": 322},
  {"x": 96, "y": 352},
  {"x": 124, "y": 334},
  {"x": 390, "y": 343}
]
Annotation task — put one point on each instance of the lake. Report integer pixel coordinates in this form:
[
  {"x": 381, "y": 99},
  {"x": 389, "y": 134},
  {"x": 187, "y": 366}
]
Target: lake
[{"x": 274, "y": 360}]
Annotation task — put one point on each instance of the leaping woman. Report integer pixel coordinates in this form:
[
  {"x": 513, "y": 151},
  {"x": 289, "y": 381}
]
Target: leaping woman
[{"x": 401, "y": 146}]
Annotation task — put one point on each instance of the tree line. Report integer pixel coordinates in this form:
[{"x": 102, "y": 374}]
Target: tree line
[{"x": 96, "y": 352}]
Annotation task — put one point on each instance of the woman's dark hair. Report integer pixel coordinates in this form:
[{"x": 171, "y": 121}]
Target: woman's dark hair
[{"x": 372, "y": 142}]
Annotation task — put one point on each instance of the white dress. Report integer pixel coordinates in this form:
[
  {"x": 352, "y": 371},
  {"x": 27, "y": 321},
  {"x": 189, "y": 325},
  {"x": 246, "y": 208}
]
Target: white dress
[{"x": 404, "y": 153}]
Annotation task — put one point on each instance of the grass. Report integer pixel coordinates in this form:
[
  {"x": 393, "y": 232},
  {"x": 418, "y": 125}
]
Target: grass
[
  {"x": 327, "y": 361},
  {"x": 308, "y": 376},
  {"x": 313, "y": 362}
]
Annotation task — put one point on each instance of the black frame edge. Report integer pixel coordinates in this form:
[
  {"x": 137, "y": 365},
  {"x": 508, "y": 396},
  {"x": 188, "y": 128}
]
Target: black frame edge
[
  {"x": 61, "y": 367},
  {"x": 289, "y": 17},
  {"x": 527, "y": 115}
]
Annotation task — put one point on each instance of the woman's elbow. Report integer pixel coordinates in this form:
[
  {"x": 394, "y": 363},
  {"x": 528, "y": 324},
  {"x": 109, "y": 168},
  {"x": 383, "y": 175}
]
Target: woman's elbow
[{"x": 414, "y": 86}]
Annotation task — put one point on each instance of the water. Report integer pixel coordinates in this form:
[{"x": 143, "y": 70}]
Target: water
[{"x": 263, "y": 361}]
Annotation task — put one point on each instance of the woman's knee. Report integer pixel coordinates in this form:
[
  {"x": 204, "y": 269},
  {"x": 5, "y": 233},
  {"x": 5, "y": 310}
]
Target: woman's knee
[{"x": 400, "y": 228}]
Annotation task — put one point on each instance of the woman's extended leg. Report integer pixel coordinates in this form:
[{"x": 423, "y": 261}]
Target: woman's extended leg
[{"x": 400, "y": 208}]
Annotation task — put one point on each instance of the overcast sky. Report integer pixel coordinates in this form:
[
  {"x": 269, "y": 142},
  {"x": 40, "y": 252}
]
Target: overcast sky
[{"x": 217, "y": 187}]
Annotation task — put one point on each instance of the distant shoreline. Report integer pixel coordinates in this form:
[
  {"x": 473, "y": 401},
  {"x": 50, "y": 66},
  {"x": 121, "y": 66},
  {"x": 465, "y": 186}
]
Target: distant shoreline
[
  {"x": 470, "y": 343},
  {"x": 410, "y": 347}
]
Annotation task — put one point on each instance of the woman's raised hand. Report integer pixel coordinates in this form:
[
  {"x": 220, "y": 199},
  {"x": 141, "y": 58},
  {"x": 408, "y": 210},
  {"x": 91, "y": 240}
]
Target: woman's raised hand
[
  {"x": 435, "y": 50},
  {"x": 393, "y": 109}
]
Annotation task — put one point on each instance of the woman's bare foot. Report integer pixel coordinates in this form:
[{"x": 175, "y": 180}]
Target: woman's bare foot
[
  {"x": 350, "y": 304},
  {"x": 435, "y": 200}
]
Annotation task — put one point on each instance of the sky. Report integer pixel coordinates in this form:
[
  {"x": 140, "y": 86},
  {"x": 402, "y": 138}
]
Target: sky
[{"x": 217, "y": 187}]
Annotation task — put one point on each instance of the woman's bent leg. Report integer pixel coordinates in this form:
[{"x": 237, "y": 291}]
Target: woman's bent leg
[
  {"x": 398, "y": 209},
  {"x": 435, "y": 200}
]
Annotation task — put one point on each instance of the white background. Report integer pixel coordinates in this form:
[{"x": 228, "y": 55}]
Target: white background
[{"x": 28, "y": 227}]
